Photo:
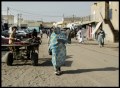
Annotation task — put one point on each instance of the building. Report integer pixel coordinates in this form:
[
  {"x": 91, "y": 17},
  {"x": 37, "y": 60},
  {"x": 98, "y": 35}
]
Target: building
[
  {"x": 106, "y": 15},
  {"x": 31, "y": 23},
  {"x": 48, "y": 24},
  {"x": 8, "y": 19}
]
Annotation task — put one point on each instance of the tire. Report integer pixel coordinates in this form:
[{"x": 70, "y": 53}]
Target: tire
[
  {"x": 28, "y": 55},
  {"x": 9, "y": 60},
  {"x": 21, "y": 37},
  {"x": 40, "y": 41},
  {"x": 34, "y": 58}
]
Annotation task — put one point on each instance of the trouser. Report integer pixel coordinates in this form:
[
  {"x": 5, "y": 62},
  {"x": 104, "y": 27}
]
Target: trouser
[{"x": 58, "y": 68}]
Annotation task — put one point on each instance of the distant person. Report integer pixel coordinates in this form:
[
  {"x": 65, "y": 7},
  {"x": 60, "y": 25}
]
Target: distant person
[
  {"x": 41, "y": 33},
  {"x": 40, "y": 27},
  {"x": 48, "y": 33},
  {"x": 76, "y": 30},
  {"x": 12, "y": 36},
  {"x": 35, "y": 39},
  {"x": 34, "y": 33},
  {"x": 80, "y": 36},
  {"x": 101, "y": 36},
  {"x": 68, "y": 32}
]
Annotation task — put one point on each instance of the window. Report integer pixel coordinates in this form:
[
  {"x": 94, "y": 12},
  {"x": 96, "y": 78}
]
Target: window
[{"x": 110, "y": 13}]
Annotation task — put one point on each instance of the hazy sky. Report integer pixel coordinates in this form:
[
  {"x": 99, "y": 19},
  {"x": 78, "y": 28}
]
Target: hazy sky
[{"x": 47, "y": 11}]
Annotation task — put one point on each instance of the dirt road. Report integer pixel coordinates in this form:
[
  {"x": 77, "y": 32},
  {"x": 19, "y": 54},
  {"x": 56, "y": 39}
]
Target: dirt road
[{"x": 87, "y": 65}]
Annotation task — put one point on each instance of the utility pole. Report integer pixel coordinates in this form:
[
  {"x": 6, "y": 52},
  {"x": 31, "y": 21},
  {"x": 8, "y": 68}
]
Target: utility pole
[
  {"x": 73, "y": 17},
  {"x": 63, "y": 21},
  {"x": 63, "y": 16},
  {"x": 7, "y": 15},
  {"x": 18, "y": 21}
]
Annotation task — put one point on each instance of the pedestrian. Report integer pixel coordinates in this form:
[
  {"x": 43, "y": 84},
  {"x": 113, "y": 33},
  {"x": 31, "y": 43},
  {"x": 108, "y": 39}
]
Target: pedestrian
[
  {"x": 68, "y": 32},
  {"x": 101, "y": 36},
  {"x": 57, "y": 46},
  {"x": 41, "y": 34},
  {"x": 34, "y": 33},
  {"x": 35, "y": 39},
  {"x": 80, "y": 36},
  {"x": 76, "y": 30},
  {"x": 12, "y": 36},
  {"x": 48, "y": 33}
]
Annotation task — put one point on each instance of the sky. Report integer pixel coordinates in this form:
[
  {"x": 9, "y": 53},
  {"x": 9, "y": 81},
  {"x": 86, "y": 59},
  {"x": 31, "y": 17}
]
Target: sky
[{"x": 47, "y": 11}]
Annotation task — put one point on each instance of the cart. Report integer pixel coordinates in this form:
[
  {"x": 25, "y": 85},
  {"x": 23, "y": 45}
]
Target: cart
[{"x": 23, "y": 51}]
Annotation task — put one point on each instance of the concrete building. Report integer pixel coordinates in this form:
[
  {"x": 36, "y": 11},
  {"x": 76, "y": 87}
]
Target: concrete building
[
  {"x": 68, "y": 20},
  {"x": 106, "y": 15},
  {"x": 31, "y": 23},
  {"x": 8, "y": 19},
  {"x": 48, "y": 24}
]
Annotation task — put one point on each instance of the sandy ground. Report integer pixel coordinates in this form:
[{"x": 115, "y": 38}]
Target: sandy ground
[{"x": 86, "y": 65}]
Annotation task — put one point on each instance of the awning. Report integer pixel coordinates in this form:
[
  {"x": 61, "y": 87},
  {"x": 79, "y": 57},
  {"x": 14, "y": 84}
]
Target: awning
[
  {"x": 88, "y": 22},
  {"x": 97, "y": 27}
]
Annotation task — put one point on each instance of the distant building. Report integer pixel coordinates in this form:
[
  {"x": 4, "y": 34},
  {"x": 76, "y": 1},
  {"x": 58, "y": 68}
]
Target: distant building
[
  {"x": 31, "y": 23},
  {"x": 67, "y": 20},
  {"x": 106, "y": 14},
  {"x": 8, "y": 19}
]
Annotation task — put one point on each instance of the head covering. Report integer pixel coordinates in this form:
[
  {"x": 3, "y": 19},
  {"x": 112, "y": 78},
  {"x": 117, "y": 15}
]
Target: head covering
[
  {"x": 56, "y": 30},
  {"x": 11, "y": 29},
  {"x": 34, "y": 30}
]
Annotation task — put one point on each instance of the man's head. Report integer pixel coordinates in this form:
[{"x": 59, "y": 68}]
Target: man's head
[{"x": 14, "y": 28}]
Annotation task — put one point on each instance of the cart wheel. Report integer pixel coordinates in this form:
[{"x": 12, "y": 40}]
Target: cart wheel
[
  {"x": 34, "y": 58},
  {"x": 9, "y": 60},
  {"x": 28, "y": 56},
  {"x": 21, "y": 37}
]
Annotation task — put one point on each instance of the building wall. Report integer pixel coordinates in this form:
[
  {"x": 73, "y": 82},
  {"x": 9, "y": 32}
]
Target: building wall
[
  {"x": 31, "y": 23},
  {"x": 48, "y": 24},
  {"x": 114, "y": 5},
  {"x": 10, "y": 18},
  {"x": 109, "y": 37},
  {"x": 98, "y": 8}
]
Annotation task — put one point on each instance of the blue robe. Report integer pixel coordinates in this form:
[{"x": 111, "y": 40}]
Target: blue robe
[
  {"x": 57, "y": 45},
  {"x": 101, "y": 36}
]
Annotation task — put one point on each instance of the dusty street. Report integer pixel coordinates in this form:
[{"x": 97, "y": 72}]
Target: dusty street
[{"x": 86, "y": 65}]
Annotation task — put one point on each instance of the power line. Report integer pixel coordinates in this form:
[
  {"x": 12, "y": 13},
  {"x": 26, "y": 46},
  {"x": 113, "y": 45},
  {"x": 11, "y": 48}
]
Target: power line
[
  {"x": 34, "y": 14},
  {"x": 4, "y": 10}
]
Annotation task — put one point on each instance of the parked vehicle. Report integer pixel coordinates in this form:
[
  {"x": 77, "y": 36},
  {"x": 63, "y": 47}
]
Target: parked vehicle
[
  {"x": 22, "y": 33},
  {"x": 29, "y": 32},
  {"x": 5, "y": 33},
  {"x": 4, "y": 40}
]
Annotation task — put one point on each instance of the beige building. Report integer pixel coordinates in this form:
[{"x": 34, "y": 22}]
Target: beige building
[
  {"x": 108, "y": 14},
  {"x": 67, "y": 20},
  {"x": 31, "y": 23},
  {"x": 48, "y": 24},
  {"x": 8, "y": 19}
]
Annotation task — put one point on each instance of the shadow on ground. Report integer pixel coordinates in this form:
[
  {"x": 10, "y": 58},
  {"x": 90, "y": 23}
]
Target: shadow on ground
[
  {"x": 89, "y": 70},
  {"x": 47, "y": 62},
  {"x": 42, "y": 62}
]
